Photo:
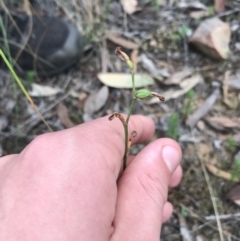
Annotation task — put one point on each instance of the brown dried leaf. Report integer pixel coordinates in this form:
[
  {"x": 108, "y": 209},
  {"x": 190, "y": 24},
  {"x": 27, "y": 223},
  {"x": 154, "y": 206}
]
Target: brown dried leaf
[
  {"x": 204, "y": 109},
  {"x": 62, "y": 113},
  {"x": 96, "y": 100},
  {"x": 206, "y": 155},
  {"x": 234, "y": 194},
  {"x": 177, "y": 77},
  {"x": 121, "y": 41},
  {"x": 185, "y": 85},
  {"x": 220, "y": 173},
  {"x": 220, "y": 123}
]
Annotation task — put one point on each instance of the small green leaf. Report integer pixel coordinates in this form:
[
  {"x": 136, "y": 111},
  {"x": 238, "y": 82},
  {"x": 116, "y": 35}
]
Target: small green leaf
[{"x": 143, "y": 94}]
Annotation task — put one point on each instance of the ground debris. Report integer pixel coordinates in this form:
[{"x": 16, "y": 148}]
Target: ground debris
[
  {"x": 234, "y": 194},
  {"x": 177, "y": 77},
  {"x": 115, "y": 38},
  {"x": 62, "y": 112},
  {"x": 212, "y": 37},
  {"x": 204, "y": 109},
  {"x": 96, "y": 100},
  {"x": 221, "y": 122}
]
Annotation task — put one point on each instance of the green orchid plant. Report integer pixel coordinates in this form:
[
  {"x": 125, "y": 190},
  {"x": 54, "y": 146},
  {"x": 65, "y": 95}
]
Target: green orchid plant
[{"x": 139, "y": 94}]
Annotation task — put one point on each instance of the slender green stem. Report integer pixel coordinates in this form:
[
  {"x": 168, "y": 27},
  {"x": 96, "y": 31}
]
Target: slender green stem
[
  {"x": 126, "y": 146},
  {"x": 133, "y": 84},
  {"x": 14, "y": 75},
  {"x": 130, "y": 110},
  {"x": 22, "y": 87},
  {"x": 126, "y": 131}
]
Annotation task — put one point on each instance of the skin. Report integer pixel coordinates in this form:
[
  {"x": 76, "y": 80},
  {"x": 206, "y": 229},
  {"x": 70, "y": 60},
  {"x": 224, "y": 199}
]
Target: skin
[{"x": 68, "y": 185}]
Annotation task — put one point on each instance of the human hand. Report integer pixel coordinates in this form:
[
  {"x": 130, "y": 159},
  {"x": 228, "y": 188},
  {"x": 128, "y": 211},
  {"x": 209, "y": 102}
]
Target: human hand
[{"x": 63, "y": 185}]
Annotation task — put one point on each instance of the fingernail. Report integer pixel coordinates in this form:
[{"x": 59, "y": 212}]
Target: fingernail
[{"x": 171, "y": 157}]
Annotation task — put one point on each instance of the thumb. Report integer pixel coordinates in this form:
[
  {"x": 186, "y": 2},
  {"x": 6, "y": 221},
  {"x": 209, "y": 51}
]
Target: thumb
[{"x": 142, "y": 192}]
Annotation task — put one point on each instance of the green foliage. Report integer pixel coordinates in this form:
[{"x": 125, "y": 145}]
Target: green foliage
[
  {"x": 30, "y": 75},
  {"x": 211, "y": 10},
  {"x": 183, "y": 212},
  {"x": 182, "y": 32},
  {"x": 235, "y": 172},
  {"x": 173, "y": 127},
  {"x": 231, "y": 144},
  {"x": 188, "y": 103},
  {"x": 155, "y": 4}
]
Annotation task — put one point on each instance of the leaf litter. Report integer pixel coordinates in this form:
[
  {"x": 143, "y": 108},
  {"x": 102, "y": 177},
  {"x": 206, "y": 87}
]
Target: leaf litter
[{"x": 153, "y": 35}]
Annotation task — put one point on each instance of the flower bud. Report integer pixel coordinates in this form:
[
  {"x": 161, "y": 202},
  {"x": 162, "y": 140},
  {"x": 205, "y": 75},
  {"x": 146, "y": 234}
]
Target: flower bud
[
  {"x": 123, "y": 56},
  {"x": 143, "y": 94},
  {"x": 130, "y": 64}
]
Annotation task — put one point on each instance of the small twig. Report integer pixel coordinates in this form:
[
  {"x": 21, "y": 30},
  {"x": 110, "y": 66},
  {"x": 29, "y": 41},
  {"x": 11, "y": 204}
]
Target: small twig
[
  {"x": 227, "y": 13},
  {"x": 23, "y": 88},
  {"x": 222, "y": 217},
  {"x": 194, "y": 215},
  {"x": 212, "y": 198}
]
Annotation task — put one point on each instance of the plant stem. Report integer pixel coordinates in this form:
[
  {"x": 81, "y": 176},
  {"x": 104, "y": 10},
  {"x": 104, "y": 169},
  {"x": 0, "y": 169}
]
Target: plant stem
[
  {"x": 133, "y": 84},
  {"x": 15, "y": 76},
  {"x": 130, "y": 110},
  {"x": 126, "y": 146},
  {"x": 126, "y": 131}
]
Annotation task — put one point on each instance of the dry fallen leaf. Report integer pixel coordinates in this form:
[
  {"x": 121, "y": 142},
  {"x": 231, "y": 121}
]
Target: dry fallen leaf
[
  {"x": 234, "y": 194},
  {"x": 220, "y": 173},
  {"x": 192, "y": 4},
  {"x": 186, "y": 85},
  {"x": 62, "y": 113},
  {"x": 115, "y": 38},
  {"x": 149, "y": 65},
  {"x": 43, "y": 91},
  {"x": 204, "y": 109},
  {"x": 206, "y": 155},
  {"x": 96, "y": 100},
  {"x": 220, "y": 123},
  {"x": 130, "y": 6},
  {"x": 177, "y": 77},
  {"x": 199, "y": 14},
  {"x": 124, "y": 80}
]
